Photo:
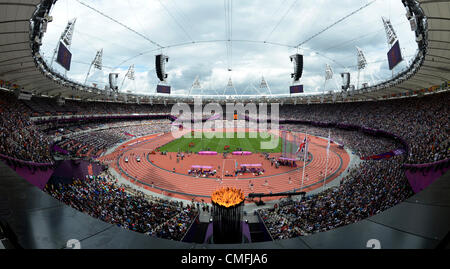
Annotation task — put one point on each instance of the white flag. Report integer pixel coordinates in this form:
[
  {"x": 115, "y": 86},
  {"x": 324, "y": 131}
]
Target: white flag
[
  {"x": 329, "y": 143},
  {"x": 306, "y": 144}
]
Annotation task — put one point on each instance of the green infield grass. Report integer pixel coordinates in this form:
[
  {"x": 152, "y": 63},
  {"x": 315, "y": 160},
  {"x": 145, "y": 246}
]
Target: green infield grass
[{"x": 238, "y": 141}]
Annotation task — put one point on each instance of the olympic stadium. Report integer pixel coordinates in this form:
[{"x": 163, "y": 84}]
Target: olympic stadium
[{"x": 224, "y": 124}]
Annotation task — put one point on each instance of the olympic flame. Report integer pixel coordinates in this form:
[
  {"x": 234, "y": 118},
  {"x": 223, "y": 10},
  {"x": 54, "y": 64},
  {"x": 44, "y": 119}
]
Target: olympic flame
[{"x": 228, "y": 197}]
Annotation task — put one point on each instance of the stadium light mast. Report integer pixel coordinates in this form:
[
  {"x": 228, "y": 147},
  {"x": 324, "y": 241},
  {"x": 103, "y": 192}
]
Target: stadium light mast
[
  {"x": 196, "y": 86},
  {"x": 264, "y": 86},
  {"x": 391, "y": 36},
  {"x": 130, "y": 75},
  {"x": 362, "y": 64},
  {"x": 66, "y": 38},
  {"x": 97, "y": 63},
  {"x": 328, "y": 75},
  {"x": 229, "y": 87}
]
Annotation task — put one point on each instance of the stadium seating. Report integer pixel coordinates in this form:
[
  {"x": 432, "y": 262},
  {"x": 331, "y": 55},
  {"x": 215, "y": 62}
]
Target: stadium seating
[
  {"x": 369, "y": 188},
  {"x": 105, "y": 199}
]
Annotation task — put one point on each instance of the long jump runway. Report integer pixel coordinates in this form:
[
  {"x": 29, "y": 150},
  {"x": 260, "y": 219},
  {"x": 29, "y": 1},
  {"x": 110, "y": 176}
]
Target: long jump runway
[{"x": 155, "y": 172}]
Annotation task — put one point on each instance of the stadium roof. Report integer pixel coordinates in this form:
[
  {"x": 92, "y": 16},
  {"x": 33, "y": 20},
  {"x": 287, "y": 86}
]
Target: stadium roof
[{"x": 21, "y": 63}]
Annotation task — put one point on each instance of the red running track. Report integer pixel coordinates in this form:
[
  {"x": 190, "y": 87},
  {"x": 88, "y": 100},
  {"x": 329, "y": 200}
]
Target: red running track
[{"x": 154, "y": 172}]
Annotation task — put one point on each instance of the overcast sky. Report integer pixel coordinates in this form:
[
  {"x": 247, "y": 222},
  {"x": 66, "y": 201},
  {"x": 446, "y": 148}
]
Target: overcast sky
[{"x": 171, "y": 22}]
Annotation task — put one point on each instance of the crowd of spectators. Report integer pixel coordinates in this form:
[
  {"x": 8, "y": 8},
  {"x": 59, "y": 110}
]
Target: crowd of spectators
[
  {"x": 92, "y": 142},
  {"x": 373, "y": 186},
  {"x": 61, "y": 128},
  {"x": 358, "y": 141},
  {"x": 423, "y": 122},
  {"x": 22, "y": 139},
  {"x": 103, "y": 198},
  {"x": 19, "y": 137},
  {"x": 41, "y": 106},
  {"x": 369, "y": 188}
]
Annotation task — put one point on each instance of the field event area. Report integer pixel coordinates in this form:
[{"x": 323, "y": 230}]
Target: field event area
[{"x": 224, "y": 142}]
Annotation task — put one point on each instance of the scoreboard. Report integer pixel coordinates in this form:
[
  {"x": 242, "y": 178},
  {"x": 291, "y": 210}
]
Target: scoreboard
[
  {"x": 296, "y": 89},
  {"x": 64, "y": 56},
  {"x": 163, "y": 89},
  {"x": 394, "y": 56}
]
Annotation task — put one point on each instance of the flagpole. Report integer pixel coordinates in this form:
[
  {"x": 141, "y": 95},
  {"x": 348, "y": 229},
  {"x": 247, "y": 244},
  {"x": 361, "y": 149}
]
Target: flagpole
[
  {"x": 304, "y": 160},
  {"x": 326, "y": 165}
]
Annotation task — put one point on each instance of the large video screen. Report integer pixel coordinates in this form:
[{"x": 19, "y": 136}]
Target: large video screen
[
  {"x": 64, "y": 56},
  {"x": 296, "y": 89},
  {"x": 163, "y": 89},
  {"x": 394, "y": 56}
]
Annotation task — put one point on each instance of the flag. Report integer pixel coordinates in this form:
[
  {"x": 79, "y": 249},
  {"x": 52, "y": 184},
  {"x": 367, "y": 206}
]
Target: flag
[
  {"x": 302, "y": 146},
  {"x": 307, "y": 146},
  {"x": 329, "y": 144}
]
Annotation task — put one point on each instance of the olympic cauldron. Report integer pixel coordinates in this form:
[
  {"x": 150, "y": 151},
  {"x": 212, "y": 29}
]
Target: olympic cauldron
[{"x": 228, "y": 207}]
